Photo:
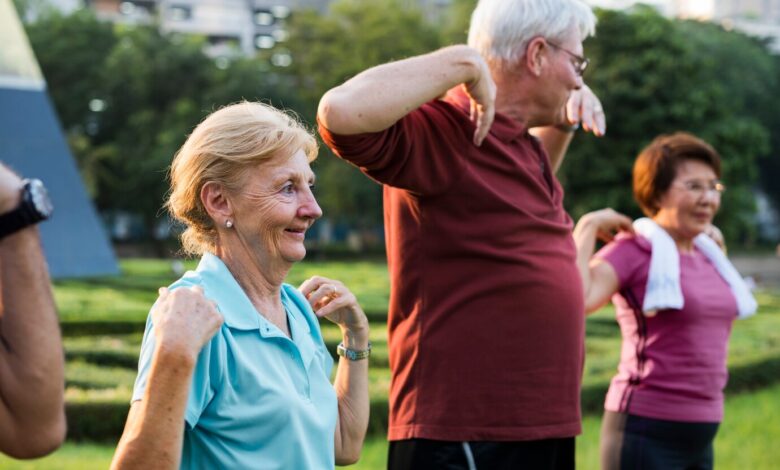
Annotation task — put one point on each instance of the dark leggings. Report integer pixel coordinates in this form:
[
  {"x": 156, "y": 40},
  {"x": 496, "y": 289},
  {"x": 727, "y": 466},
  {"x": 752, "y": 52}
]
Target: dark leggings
[{"x": 634, "y": 442}]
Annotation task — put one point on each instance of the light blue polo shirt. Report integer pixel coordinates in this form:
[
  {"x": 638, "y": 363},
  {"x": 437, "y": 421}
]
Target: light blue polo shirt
[{"x": 258, "y": 399}]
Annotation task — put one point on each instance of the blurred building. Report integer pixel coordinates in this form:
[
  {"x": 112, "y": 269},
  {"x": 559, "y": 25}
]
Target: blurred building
[
  {"x": 231, "y": 27},
  {"x": 755, "y": 17}
]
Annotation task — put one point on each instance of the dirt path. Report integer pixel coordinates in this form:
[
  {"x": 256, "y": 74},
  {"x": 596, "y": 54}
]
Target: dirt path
[{"x": 764, "y": 269}]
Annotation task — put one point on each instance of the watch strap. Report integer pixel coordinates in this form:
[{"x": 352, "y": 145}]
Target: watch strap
[
  {"x": 353, "y": 354},
  {"x": 22, "y": 216}
]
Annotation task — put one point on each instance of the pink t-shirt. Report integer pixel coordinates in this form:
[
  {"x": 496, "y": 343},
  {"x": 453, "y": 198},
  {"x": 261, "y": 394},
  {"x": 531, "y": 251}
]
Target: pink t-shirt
[{"x": 672, "y": 365}]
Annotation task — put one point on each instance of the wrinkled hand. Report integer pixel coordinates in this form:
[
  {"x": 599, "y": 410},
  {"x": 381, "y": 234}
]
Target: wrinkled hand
[
  {"x": 184, "y": 320},
  {"x": 607, "y": 222},
  {"x": 714, "y": 232},
  {"x": 331, "y": 299},
  {"x": 482, "y": 95},
  {"x": 10, "y": 189},
  {"x": 585, "y": 108}
]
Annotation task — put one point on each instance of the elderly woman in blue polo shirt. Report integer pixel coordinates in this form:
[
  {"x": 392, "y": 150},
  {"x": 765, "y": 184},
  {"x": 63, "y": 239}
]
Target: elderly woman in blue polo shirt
[{"x": 233, "y": 371}]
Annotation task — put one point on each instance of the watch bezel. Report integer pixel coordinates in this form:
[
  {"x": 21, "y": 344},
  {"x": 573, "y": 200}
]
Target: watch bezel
[{"x": 39, "y": 197}]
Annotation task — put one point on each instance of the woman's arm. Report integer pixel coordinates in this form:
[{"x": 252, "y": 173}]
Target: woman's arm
[
  {"x": 183, "y": 322},
  {"x": 334, "y": 301},
  {"x": 599, "y": 279}
]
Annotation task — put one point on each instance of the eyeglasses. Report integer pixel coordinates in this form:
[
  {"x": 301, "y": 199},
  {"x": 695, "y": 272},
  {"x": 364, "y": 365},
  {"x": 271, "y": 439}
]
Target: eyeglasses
[
  {"x": 700, "y": 188},
  {"x": 579, "y": 62}
]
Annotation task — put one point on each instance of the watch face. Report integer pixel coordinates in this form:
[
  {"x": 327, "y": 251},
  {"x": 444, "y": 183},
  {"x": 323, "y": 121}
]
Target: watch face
[{"x": 40, "y": 198}]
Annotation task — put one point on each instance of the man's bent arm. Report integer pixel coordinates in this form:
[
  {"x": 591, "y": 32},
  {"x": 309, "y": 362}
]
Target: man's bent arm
[
  {"x": 378, "y": 97},
  {"x": 32, "y": 416}
]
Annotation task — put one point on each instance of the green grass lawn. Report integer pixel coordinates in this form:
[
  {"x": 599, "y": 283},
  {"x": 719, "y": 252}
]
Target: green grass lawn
[
  {"x": 747, "y": 440},
  {"x": 101, "y": 367}
]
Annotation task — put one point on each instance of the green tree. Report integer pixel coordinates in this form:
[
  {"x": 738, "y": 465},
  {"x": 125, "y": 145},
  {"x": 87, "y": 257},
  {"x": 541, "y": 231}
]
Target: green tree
[
  {"x": 654, "y": 76},
  {"x": 73, "y": 71},
  {"x": 329, "y": 49},
  {"x": 129, "y": 96}
]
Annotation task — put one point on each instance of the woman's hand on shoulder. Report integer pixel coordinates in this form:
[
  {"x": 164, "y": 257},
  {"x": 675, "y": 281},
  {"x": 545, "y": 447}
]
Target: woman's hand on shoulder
[
  {"x": 607, "y": 223},
  {"x": 717, "y": 236},
  {"x": 331, "y": 299},
  {"x": 184, "y": 320}
]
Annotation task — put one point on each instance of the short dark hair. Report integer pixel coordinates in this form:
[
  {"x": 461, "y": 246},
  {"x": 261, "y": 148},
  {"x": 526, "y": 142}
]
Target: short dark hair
[{"x": 656, "y": 166}]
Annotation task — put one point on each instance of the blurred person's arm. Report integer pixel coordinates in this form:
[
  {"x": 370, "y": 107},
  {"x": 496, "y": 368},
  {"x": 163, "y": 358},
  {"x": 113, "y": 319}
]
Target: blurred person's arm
[
  {"x": 32, "y": 415},
  {"x": 375, "y": 99},
  {"x": 582, "y": 109},
  {"x": 332, "y": 300},
  {"x": 599, "y": 279},
  {"x": 184, "y": 320}
]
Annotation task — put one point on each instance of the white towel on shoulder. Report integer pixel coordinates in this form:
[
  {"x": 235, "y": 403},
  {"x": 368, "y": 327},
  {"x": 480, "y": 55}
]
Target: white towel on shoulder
[{"x": 663, "y": 279}]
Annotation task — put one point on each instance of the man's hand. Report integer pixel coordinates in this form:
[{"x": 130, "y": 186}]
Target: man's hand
[
  {"x": 10, "y": 189},
  {"x": 184, "y": 320},
  {"x": 585, "y": 108},
  {"x": 482, "y": 94}
]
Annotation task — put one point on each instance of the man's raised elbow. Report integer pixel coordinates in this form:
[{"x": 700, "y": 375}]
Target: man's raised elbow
[
  {"x": 333, "y": 112},
  {"x": 39, "y": 441},
  {"x": 349, "y": 458}
]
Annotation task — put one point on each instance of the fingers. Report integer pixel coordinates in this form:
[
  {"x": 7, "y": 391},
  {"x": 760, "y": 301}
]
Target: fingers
[
  {"x": 320, "y": 291},
  {"x": 485, "y": 116},
  {"x": 584, "y": 107},
  {"x": 607, "y": 223},
  {"x": 185, "y": 318},
  {"x": 573, "y": 108},
  {"x": 482, "y": 96}
]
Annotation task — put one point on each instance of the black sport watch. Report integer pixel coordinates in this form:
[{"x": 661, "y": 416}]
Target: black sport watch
[{"x": 34, "y": 207}]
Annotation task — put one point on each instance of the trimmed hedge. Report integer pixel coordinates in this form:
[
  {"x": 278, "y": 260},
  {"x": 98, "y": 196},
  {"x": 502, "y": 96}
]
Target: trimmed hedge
[
  {"x": 96, "y": 421},
  {"x": 104, "y": 421},
  {"x": 124, "y": 327},
  {"x": 101, "y": 328},
  {"x": 104, "y": 357}
]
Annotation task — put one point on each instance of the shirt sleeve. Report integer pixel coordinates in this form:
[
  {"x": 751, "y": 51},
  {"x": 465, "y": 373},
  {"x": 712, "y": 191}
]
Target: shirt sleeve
[
  {"x": 627, "y": 255},
  {"x": 423, "y": 152}
]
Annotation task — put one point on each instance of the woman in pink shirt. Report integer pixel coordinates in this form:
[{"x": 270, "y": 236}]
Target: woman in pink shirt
[{"x": 664, "y": 405}]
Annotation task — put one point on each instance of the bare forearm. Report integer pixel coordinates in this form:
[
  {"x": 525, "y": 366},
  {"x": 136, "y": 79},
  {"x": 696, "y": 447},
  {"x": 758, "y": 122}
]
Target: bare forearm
[
  {"x": 378, "y": 97},
  {"x": 555, "y": 141},
  {"x": 31, "y": 357},
  {"x": 585, "y": 240},
  {"x": 351, "y": 387},
  {"x": 154, "y": 433}
]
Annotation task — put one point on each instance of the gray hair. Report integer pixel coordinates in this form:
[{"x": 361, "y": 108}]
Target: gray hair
[{"x": 501, "y": 29}]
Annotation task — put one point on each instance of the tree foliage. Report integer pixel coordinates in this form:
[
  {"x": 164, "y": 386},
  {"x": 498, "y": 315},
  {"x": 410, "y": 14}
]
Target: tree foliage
[
  {"x": 657, "y": 76},
  {"x": 128, "y": 97},
  {"x": 329, "y": 49}
]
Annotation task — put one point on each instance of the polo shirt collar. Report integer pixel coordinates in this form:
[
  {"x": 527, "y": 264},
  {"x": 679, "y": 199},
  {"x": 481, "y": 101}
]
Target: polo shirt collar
[
  {"x": 504, "y": 128},
  {"x": 220, "y": 286}
]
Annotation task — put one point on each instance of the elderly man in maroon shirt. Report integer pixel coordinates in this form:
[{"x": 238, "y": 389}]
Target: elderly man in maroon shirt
[{"x": 486, "y": 322}]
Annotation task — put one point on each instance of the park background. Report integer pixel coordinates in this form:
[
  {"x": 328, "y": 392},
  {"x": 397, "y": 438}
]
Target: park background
[{"x": 128, "y": 93}]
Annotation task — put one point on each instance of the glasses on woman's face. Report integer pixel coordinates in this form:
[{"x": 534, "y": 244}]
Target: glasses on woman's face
[
  {"x": 699, "y": 188},
  {"x": 579, "y": 62}
]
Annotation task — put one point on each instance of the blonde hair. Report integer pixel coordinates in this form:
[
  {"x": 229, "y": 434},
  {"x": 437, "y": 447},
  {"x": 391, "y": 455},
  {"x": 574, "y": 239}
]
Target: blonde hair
[{"x": 220, "y": 149}]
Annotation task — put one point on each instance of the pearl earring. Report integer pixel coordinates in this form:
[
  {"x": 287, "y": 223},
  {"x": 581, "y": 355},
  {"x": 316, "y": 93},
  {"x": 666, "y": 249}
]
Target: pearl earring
[{"x": 228, "y": 224}]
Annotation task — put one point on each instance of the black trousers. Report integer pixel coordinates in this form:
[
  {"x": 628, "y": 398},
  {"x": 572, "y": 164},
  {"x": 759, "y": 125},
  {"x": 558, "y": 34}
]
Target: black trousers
[
  {"x": 630, "y": 442},
  {"x": 425, "y": 454}
]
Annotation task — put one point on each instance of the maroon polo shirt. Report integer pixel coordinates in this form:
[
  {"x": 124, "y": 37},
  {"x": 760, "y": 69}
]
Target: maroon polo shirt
[{"x": 486, "y": 321}]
